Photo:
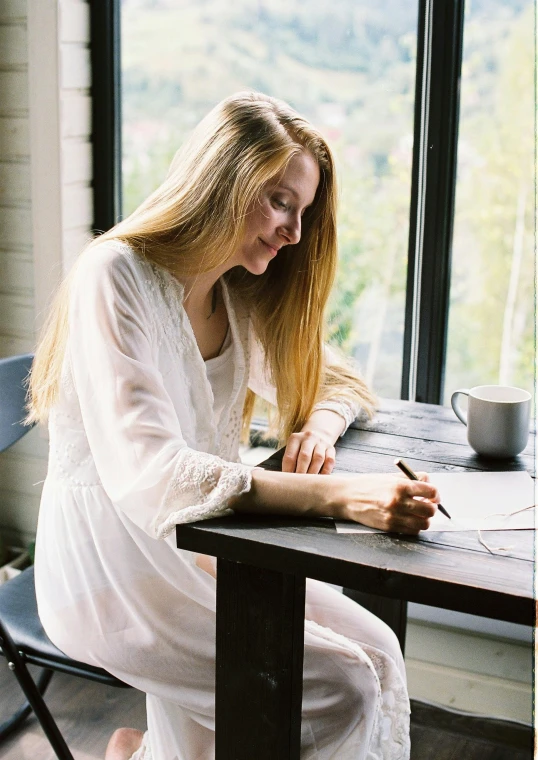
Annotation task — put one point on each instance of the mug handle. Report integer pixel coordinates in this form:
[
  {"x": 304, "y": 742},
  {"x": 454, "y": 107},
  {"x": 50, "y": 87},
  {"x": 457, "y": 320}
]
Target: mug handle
[{"x": 458, "y": 411}]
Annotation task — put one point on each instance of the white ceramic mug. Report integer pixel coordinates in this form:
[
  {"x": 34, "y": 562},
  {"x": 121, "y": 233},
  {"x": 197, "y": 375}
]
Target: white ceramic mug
[{"x": 498, "y": 418}]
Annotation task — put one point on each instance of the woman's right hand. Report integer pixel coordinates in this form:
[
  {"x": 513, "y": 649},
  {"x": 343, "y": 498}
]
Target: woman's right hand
[{"x": 386, "y": 502}]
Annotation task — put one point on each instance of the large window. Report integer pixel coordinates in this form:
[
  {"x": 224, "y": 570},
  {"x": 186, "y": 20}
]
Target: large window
[{"x": 349, "y": 67}]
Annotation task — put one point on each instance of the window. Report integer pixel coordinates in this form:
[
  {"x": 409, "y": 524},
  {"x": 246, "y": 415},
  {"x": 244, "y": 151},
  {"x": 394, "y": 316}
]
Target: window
[
  {"x": 491, "y": 324},
  {"x": 349, "y": 67}
]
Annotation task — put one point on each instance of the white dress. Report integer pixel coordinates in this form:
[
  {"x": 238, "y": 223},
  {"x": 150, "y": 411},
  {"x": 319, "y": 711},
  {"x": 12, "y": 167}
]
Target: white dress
[{"x": 136, "y": 446}]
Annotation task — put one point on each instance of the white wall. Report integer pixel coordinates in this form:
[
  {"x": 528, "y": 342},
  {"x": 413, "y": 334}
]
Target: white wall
[
  {"x": 16, "y": 272},
  {"x": 469, "y": 671},
  {"x": 45, "y": 199}
]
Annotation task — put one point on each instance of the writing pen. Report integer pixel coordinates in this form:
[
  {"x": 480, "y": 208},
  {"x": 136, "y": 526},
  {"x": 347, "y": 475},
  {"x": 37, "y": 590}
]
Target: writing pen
[{"x": 411, "y": 475}]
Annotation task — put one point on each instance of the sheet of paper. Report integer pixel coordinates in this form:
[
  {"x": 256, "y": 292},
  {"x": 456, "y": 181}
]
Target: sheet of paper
[{"x": 476, "y": 501}]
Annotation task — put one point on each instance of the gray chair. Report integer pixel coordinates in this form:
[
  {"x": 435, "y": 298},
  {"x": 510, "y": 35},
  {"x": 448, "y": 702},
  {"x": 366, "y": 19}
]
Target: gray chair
[{"x": 22, "y": 638}]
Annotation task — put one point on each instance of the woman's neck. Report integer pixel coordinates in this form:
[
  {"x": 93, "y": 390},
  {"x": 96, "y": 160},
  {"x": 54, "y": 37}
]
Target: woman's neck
[
  {"x": 206, "y": 310},
  {"x": 201, "y": 290}
]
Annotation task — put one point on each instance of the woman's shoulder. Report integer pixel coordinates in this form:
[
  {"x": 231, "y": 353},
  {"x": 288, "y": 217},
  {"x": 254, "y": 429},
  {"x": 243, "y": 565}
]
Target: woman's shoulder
[{"x": 111, "y": 259}]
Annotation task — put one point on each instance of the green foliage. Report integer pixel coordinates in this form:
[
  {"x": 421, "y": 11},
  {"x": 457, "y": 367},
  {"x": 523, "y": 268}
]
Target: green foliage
[
  {"x": 349, "y": 66},
  {"x": 496, "y": 174}
]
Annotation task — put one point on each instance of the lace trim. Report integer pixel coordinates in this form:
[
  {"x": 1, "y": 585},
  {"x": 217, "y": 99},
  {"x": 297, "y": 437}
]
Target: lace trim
[
  {"x": 390, "y": 738},
  {"x": 201, "y": 488},
  {"x": 144, "y": 751},
  {"x": 344, "y": 408},
  {"x": 391, "y": 731}
]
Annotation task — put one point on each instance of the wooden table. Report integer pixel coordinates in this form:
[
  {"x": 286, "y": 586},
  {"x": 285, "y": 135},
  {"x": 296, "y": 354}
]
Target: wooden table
[{"x": 263, "y": 562}]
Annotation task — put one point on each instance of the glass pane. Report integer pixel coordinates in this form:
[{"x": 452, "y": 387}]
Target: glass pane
[
  {"x": 491, "y": 324},
  {"x": 349, "y": 67}
]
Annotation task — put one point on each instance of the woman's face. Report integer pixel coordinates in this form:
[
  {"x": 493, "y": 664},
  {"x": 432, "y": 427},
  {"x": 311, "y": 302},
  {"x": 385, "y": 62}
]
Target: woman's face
[{"x": 275, "y": 221}]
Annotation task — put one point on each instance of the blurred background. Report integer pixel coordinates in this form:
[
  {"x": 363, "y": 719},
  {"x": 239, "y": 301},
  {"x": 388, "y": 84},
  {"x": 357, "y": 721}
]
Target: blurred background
[{"x": 349, "y": 67}]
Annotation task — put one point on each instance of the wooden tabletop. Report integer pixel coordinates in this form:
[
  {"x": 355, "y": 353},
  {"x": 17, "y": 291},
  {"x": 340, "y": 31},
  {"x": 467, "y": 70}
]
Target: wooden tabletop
[{"x": 449, "y": 570}]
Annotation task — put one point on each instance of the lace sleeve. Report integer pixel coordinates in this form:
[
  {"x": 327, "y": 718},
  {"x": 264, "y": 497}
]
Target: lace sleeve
[
  {"x": 343, "y": 407},
  {"x": 201, "y": 488}
]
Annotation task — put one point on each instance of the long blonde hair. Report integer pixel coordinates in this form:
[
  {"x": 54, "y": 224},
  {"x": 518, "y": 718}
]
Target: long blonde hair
[{"x": 193, "y": 223}]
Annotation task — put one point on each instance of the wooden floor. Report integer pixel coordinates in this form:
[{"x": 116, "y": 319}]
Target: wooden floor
[{"x": 88, "y": 713}]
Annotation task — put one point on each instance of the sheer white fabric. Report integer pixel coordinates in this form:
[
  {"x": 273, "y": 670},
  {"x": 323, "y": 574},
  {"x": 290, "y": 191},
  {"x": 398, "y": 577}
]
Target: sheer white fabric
[
  {"x": 135, "y": 447},
  {"x": 220, "y": 375}
]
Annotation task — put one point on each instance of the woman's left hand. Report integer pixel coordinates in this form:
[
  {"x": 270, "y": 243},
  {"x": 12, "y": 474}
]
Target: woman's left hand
[
  {"x": 308, "y": 452},
  {"x": 312, "y": 450}
]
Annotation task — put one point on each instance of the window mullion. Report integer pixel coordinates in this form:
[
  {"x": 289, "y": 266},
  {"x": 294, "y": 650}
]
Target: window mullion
[
  {"x": 439, "y": 54},
  {"x": 106, "y": 112}
]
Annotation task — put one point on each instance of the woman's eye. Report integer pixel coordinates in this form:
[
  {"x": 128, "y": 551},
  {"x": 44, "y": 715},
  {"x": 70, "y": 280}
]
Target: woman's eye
[{"x": 280, "y": 204}]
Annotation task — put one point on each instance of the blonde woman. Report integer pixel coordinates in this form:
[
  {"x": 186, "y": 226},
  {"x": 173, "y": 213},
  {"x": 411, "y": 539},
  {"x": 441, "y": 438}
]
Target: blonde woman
[{"x": 212, "y": 291}]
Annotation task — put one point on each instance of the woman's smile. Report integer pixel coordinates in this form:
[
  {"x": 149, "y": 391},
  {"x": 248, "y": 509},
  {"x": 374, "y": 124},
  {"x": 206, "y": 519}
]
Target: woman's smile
[{"x": 272, "y": 248}]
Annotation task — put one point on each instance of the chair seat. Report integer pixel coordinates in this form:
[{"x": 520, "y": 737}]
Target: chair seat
[{"x": 18, "y": 613}]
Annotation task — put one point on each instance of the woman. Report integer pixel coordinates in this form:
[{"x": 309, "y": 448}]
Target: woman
[{"x": 212, "y": 291}]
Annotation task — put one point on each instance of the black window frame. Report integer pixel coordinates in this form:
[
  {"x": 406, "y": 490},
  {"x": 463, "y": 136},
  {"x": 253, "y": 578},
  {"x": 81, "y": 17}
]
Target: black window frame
[
  {"x": 105, "y": 58},
  {"x": 433, "y": 181}
]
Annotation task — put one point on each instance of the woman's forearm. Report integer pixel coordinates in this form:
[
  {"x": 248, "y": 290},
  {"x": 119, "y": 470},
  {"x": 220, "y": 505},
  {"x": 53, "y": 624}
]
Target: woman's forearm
[
  {"x": 326, "y": 422},
  {"x": 387, "y": 502},
  {"x": 288, "y": 493}
]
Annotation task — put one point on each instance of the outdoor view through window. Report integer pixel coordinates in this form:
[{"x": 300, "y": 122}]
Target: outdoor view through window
[
  {"x": 349, "y": 67},
  {"x": 491, "y": 319}
]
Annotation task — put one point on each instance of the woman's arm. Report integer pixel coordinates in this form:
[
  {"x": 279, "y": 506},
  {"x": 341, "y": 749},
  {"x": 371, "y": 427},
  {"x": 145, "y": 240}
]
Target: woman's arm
[
  {"x": 387, "y": 502},
  {"x": 311, "y": 450}
]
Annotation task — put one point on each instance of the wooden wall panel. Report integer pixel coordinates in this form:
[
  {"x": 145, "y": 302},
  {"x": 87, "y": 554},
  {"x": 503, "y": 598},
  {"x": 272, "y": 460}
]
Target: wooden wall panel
[
  {"x": 13, "y": 93},
  {"x": 14, "y": 138},
  {"x": 15, "y": 226},
  {"x": 16, "y": 273},
  {"x": 14, "y": 184},
  {"x": 45, "y": 199},
  {"x": 13, "y": 45}
]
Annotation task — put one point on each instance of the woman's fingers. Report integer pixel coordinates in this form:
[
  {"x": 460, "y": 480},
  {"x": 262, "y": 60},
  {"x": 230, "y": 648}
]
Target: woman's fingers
[
  {"x": 329, "y": 462},
  {"x": 413, "y": 506},
  {"x": 410, "y": 527},
  {"x": 421, "y": 489},
  {"x": 423, "y": 476},
  {"x": 306, "y": 453},
  {"x": 394, "y": 504},
  {"x": 421, "y": 508},
  {"x": 289, "y": 460},
  {"x": 299, "y": 453}
]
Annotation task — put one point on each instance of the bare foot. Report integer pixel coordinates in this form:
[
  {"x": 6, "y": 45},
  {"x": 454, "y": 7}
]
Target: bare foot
[{"x": 123, "y": 744}]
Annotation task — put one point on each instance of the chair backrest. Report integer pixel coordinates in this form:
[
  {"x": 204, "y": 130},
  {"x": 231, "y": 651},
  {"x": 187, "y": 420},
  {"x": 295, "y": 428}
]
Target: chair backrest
[{"x": 14, "y": 372}]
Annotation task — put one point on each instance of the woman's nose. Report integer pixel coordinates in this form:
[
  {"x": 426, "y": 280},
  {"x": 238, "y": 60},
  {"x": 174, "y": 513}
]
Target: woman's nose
[{"x": 292, "y": 230}]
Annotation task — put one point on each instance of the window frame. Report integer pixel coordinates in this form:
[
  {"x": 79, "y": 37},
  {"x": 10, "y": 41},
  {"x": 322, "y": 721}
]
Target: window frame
[
  {"x": 433, "y": 179},
  {"x": 433, "y": 186},
  {"x": 105, "y": 56}
]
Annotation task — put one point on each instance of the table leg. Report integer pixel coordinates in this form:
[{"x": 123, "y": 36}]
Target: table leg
[
  {"x": 259, "y": 663},
  {"x": 393, "y": 612}
]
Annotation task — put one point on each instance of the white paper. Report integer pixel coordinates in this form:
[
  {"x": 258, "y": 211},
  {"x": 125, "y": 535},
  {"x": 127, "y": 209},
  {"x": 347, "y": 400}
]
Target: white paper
[{"x": 476, "y": 501}]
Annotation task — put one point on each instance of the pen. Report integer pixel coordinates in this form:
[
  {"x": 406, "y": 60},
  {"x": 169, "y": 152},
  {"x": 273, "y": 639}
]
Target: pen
[{"x": 411, "y": 475}]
